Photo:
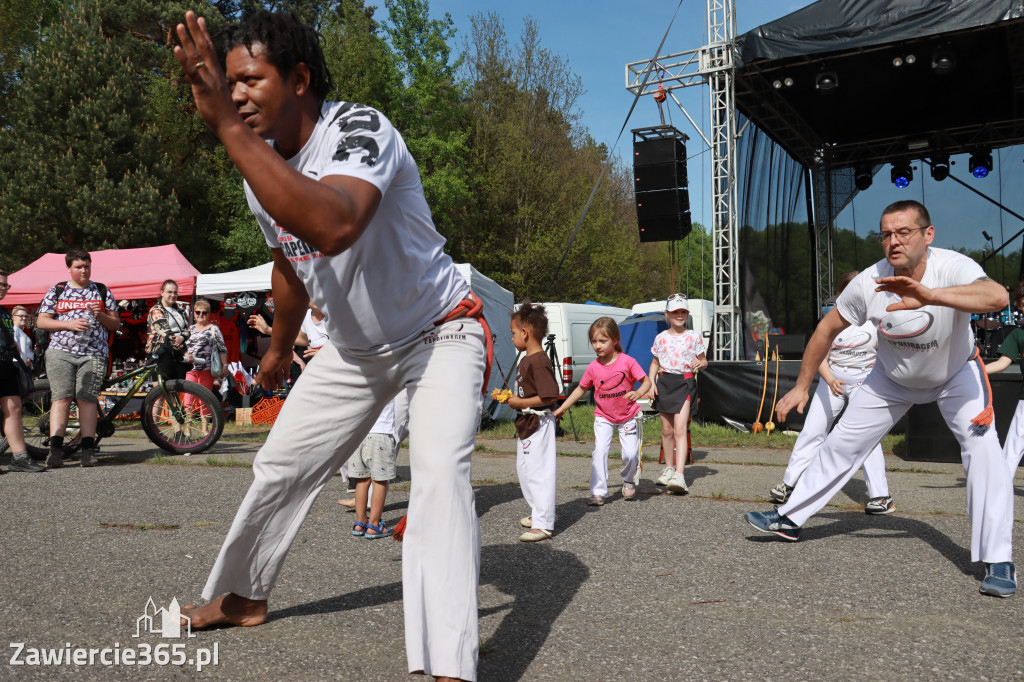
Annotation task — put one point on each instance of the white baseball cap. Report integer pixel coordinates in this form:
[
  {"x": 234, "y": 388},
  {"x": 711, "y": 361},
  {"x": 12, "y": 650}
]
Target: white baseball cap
[{"x": 677, "y": 302}]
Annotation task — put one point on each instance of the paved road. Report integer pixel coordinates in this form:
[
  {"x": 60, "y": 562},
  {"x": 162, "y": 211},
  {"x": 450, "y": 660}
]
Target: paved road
[{"x": 662, "y": 588}]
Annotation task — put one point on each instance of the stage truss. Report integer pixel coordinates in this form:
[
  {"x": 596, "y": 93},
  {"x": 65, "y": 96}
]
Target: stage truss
[{"x": 712, "y": 65}]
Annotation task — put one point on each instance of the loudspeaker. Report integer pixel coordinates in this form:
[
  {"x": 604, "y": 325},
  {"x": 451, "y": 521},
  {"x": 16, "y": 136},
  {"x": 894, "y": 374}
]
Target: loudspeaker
[
  {"x": 659, "y": 180},
  {"x": 654, "y": 151},
  {"x": 659, "y": 176},
  {"x": 667, "y": 202},
  {"x": 665, "y": 228}
]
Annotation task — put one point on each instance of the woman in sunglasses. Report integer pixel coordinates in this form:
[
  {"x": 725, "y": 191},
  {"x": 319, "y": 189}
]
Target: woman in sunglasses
[{"x": 204, "y": 340}]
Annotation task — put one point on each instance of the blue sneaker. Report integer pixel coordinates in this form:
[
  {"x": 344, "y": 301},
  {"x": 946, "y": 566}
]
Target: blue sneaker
[
  {"x": 1000, "y": 581},
  {"x": 772, "y": 522}
]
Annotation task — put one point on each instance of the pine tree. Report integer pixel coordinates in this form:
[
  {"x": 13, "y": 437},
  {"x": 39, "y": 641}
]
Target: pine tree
[{"x": 77, "y": 168}]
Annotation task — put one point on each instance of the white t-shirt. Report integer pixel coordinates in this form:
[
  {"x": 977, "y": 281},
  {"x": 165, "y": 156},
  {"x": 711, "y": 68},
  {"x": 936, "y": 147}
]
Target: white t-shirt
[
  {"x": 396, "y": 280},
  {"x": 920, "y": 348},
  {"x": 386, "y": 421},
  {"x": 315, "y": 331},
  {"x": 676, "y": 353},
  {"x": 855, "y": 346},
  {"x": 24, "y": 344}
]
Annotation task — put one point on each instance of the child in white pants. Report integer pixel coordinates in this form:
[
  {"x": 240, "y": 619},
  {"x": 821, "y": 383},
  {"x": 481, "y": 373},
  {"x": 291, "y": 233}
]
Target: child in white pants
[
  {"x": 536, "y": 391},
  {"x": 612, "y": 375}
]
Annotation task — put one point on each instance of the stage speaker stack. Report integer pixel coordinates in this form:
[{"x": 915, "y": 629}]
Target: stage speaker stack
[{"x": 659, "y": 179}]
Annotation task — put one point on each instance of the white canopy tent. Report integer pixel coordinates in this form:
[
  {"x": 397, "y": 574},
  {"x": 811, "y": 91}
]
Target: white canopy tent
[
  {"x": 226, "y": 283},
  {"x": 498, "y": 302}
]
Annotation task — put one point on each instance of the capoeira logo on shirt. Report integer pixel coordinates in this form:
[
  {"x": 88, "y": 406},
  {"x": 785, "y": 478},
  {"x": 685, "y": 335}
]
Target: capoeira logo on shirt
[
  {"x": 610, "y": 383},
  {"x": 853, "y": 344},
  {"x": 910, "y": 330},
  {"x": 294, "y": 248}
]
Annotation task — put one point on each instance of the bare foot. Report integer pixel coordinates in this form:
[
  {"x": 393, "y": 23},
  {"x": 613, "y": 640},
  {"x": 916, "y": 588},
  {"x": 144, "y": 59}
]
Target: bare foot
[
  {"x": 227, "y": 609},
  {"x": 350, "y": 503}
]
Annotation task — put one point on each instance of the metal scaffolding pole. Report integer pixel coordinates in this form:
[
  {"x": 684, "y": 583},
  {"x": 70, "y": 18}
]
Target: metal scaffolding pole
[{"x": 712, "y": 64}]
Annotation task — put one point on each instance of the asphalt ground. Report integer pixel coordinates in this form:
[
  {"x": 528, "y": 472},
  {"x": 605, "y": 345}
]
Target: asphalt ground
[{"x": 660, "y": 588}]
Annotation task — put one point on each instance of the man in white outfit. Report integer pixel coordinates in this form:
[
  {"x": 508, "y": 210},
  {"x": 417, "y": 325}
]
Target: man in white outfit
[
  {"x": 921, "y": 299},
  {"x": 339, "y": 200}
]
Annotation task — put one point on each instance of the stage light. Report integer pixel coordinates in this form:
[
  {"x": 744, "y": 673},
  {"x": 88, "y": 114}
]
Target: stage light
[
  {"x": 940, "y": 167},
  {"x": 863, "y": 176},
  {"x": 901, "y": 174},
  {"x": 826, "y": 81},
  {"x": 911, "y": 59},
  {"x": 788, "y": 82},
  {"x": 897, "y": 62},
  {"x": 943, "y": 61},
  {"x": 980, "y": 163},
  {"x": 777, "y": 85}
]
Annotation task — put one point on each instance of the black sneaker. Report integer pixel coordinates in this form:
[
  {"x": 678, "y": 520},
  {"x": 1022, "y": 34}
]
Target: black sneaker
[
  {"x": 24, "y": 463},
  {"x": 89, "y": 456},
  {"x": 55, "y": 459}
]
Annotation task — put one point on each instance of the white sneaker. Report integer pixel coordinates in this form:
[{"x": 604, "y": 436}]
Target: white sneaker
[
  {"x": 678, "y": 484},
  {"x": 666, "y": 476}
]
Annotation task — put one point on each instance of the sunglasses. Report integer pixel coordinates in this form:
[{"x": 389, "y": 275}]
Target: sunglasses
[{"x": 204, "y": 313}]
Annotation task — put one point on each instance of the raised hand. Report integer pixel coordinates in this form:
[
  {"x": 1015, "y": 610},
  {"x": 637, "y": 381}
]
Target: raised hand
[
  {"x": 198, "y": 58},
  {"x": 914, "y": 295}
]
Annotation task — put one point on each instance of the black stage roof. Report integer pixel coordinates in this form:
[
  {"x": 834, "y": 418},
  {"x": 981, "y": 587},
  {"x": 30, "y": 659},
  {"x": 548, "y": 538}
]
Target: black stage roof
[{"x": 959, "y": 85}]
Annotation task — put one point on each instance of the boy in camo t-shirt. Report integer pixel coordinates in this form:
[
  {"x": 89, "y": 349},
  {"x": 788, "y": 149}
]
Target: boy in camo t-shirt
[{"x": 79, "y": 318}]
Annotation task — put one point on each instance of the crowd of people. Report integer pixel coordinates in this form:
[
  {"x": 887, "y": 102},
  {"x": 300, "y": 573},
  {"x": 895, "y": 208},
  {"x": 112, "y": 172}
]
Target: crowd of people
[
  {"x": 78, "y": 317},
  {"x": 360, "y": 271}
]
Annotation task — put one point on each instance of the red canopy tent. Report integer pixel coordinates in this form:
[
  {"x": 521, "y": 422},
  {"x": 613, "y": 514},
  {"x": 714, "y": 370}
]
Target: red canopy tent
[{"x": 129, "y": 273}]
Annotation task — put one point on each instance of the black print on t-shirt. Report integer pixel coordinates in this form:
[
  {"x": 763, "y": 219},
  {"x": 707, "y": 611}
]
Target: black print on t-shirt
[
  {"x": 351, "y": 117},
  {"x": 296, "y": 249}
]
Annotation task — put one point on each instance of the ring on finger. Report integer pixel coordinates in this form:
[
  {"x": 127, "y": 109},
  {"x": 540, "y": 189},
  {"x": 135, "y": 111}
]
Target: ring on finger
[{"x": 199, "y": 64}]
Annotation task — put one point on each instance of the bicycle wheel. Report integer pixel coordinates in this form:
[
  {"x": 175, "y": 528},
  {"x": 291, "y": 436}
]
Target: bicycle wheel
[
  {"x": 190, "y": 422},
  {"x": 35, "y": 415}
]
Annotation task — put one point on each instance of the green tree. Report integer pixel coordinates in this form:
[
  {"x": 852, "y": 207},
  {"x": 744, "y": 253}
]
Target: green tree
[
  {"x": 534, "y": 167},
  {"x": 429, "y": 109},
  {"x": 77, "y": 167}
]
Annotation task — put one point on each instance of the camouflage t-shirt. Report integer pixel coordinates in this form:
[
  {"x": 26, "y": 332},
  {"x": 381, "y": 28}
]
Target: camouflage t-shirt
[{"x": 73, "y": 305}]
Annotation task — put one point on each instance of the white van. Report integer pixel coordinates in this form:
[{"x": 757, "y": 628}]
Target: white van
[
  {"x": 702, "y": 316},
  {"x": 570, "y": 325}
]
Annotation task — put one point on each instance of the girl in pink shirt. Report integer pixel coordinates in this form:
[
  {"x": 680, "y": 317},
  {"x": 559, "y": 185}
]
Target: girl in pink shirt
[{"x": 612, "y": 375}]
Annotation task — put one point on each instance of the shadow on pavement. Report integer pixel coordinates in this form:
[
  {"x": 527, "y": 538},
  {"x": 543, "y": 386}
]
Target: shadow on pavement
[
  {"x": 542, "y": 582},
  {"x": 857, "y": 522},
  {"x": 370, "y": 596}
]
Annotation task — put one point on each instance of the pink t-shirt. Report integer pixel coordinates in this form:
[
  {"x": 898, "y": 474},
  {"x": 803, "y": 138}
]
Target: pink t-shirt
[
  {"x": 612, "y": 383},
  {"x": 676, "y": 352}
]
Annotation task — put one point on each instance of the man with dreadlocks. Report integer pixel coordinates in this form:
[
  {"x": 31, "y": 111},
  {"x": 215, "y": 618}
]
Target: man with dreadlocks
[{"x": 338, "y": 197}]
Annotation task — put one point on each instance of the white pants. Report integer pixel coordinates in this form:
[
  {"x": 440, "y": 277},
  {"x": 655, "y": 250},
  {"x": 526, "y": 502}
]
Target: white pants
[
  {"x": 873, "y": 410},
  {"x": 630, "y": 442},
  {"x": 823, "y": 410},
  {"x": 1014, "y": 445},
  {"x": 322, "y": 422},
  {"x": 536, "y": 466}
]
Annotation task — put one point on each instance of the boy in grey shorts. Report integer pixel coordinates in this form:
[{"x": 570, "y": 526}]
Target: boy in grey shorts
[
  {"x": 374, "y": 460},
  {"x": 80, "y": 317}
]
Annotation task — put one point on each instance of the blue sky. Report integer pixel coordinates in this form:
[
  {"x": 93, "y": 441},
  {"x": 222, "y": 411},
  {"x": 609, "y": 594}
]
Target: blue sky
[{"x": 598, "y": 38}]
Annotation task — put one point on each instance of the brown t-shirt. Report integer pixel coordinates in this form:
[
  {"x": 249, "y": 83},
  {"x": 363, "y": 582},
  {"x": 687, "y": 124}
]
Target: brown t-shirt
[{"x": 535, "y": 377}]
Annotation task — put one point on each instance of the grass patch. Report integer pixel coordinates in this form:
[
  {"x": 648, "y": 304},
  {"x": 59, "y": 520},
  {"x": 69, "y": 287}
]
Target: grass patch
[
  {"x": 229, "y": 462},
  {"x": 139, "y": 526},
  {"x": 702, "y": 435}
]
